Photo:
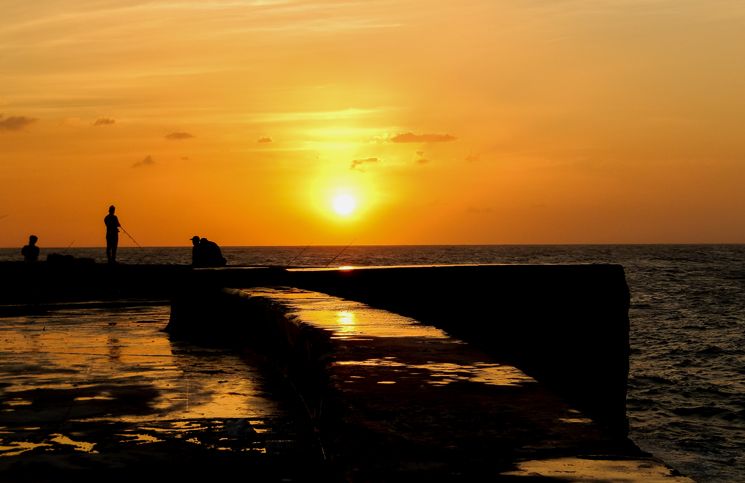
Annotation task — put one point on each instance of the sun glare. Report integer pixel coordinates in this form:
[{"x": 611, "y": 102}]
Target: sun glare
[{"x": 344, "y": 204}]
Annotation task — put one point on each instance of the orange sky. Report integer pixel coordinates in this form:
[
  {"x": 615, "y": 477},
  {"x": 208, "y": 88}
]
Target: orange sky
[{"x": 469, "y": 122}]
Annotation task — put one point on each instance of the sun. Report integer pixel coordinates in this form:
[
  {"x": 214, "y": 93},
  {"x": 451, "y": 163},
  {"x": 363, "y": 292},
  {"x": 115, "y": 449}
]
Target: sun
[{"x": 344, "y": 204}]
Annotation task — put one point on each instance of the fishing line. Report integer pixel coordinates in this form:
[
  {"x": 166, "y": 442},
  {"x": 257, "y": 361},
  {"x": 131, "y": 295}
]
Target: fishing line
[
  {"x": 68, "y": 246},
  {"x": 130, "y": 236},
  {"x": 337, "y": 255},
  {"x": 446, "y": 251},
  {"x": 297, "y": 256}
]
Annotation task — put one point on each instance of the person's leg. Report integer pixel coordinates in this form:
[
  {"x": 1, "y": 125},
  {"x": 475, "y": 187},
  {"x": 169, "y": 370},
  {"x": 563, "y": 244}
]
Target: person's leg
[
  {"x": 111, "y": 244},
  {"x": 114, "y": 244}
]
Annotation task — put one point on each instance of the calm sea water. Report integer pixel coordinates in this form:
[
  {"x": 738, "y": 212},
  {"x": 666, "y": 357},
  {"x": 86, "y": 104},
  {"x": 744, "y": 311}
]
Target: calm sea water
[{"x": 686, "y": 398}]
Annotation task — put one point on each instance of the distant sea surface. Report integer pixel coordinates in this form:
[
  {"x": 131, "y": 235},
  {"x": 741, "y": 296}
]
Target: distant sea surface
[{"x": 686, "y": 397}]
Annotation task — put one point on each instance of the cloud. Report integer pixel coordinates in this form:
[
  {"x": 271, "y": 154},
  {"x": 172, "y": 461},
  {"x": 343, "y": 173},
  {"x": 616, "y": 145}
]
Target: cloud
[
  {"x": 358, "y": 162},
  {"x": 15, "y": 123},
  {"x": 472, "y": 157},
  {"x": 104, "y": 121},
  {"x": 265, "y": 140},
  {"x": 175, "y": 136},
  {"x": 410, "y": 137},
  {"x": 477, "y": 211},
  {"x": 422, "y": 161},
  {"x": 148, "y": 161}
]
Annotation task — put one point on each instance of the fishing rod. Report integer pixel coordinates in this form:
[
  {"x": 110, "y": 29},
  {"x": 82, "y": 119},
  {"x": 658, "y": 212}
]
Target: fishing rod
[
  {"x": 68, "y": 246},
  {"x": 297, "y": 256},
  {"x": 337, "y": 255},
  {"x": 130, "y": 236},
  {"x": 445, "y": 253}
]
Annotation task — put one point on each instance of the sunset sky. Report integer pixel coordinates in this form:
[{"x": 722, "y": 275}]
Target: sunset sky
[{"x": 468, "y": 122}]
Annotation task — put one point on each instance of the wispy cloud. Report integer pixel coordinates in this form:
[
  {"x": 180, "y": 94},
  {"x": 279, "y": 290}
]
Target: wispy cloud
[
  {"x": 148, "y": 161},
  {"x": 420, "y": 158},
  {"x": 472, "y": 157},
  {"x": 265, "y": 140},
  {"x": 16, "y": 123},
  {"x": 359, "y": 162},
  {"x": 477, "y": 211},
  {"x": 104, "y": 121},
  {"x": 175, "y": 136},
  {"x": 410, "y": 137}
]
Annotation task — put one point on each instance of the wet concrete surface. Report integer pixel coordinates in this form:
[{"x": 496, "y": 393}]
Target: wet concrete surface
[
  {"x": 90, "y": 392},
  {"x": 412, "y": 403}
]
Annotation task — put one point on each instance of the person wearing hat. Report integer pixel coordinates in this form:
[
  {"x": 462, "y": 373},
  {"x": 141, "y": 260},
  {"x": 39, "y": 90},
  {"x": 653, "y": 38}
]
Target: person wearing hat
[
  {"x": 206, "y": 253},
  {"x": 197, "y": 253}
]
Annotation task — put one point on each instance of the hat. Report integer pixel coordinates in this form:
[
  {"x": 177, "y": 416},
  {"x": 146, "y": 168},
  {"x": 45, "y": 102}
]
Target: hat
[{"x": 194, "y": 238}]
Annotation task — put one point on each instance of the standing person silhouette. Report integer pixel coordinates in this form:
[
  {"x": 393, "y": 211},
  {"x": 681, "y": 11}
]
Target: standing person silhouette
[
  {"x": 30, "y": 252},
  {"x": 112, "y": 234}
]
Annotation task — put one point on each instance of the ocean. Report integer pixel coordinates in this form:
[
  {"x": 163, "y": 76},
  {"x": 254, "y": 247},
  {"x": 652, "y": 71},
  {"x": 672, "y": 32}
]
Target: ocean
[{"x": 686, "y": 393}]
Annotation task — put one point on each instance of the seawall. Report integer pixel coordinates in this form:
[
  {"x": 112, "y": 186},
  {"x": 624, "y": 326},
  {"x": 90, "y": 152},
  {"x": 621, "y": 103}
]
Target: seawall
[
  {"x": 565, "y": 325},
  {"x": 394, "y": 399}
]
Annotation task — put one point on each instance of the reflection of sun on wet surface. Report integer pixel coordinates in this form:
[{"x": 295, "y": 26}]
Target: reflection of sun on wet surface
[
  {"x": 353, "y": 320},
  {"x": 446, "y": 373},
  {"x": 347, "y": 318},
  {"x": 346, "y": 323},
  {"x": 107, "y": 380},
  {"x": 596, "y": 469}
]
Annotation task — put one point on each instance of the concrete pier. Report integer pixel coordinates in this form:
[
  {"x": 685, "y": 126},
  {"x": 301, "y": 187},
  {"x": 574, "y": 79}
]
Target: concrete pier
[{"x": 394, "y": 399}]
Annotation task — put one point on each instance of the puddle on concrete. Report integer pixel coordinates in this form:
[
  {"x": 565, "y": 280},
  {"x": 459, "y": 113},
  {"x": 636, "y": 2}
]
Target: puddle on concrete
[
  {"x": 447, "y": 373},
  {"x": 104, "y": 380},
  {"x": 347, "y": 318},
  {"x": 140, "y": 438},
  {"x": 600, "y": 470},
  {"x": 15, "y": 448},
  {"x": 76, "y": 445}
]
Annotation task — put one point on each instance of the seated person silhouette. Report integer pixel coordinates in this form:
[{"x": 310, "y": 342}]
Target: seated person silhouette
[
  {"x": 197, "y": 253},
  {"x": 206, "y": 253},
  {"x": 30, "y": 252}
]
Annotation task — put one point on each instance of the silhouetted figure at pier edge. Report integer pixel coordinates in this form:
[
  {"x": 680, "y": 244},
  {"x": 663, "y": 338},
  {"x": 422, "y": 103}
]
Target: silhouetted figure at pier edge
[
  {"x": 206, "y": 253},
  {"x": 112, "y": 234},
  {"x": 30, "y": 252}
]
